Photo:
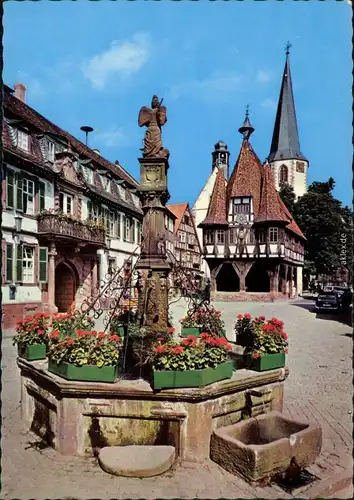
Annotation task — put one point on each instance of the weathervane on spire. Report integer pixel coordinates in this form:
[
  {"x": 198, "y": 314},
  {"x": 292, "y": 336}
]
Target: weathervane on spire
[
  {"x": 287, "y": 48},
  {"x": 247, "y": 110}
]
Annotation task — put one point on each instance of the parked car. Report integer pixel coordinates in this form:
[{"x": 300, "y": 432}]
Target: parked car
[
  {"x": 345, "y": 296},
  {"x": 328, "y": 301}
]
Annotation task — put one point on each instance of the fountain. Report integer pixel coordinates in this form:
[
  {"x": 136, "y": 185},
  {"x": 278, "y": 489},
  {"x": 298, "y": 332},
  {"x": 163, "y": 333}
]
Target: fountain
[{"x": 81, "y": 418}]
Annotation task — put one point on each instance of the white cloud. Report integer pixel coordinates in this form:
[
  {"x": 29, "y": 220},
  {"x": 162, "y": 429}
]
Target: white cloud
[
  {"x": 123, "y": 58},
  {"x": 218, "y": 84},
  {"x": 263, "y": 76},
  {"x": 112, "y": 138},
  {"x": 268, "y": 103}
]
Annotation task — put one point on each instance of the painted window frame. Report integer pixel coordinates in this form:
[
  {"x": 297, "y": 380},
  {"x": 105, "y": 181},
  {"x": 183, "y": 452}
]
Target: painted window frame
[{"x": 273, "y": 234}]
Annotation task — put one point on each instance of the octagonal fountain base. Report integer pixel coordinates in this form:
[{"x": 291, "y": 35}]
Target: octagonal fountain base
[
  {"x": 265, "y": 446},
  {"x": 80, "y": 418}
]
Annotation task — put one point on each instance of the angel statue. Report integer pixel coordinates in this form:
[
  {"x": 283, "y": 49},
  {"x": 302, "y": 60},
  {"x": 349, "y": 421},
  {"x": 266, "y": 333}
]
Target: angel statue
[{"x": 153, "y": 119}]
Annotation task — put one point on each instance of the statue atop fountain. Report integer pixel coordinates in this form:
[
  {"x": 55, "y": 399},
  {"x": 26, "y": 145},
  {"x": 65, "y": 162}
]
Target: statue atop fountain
[{"x": 153, "y": 265}]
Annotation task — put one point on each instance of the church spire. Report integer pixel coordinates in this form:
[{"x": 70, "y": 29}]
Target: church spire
[{"x": 285, "y": 142}]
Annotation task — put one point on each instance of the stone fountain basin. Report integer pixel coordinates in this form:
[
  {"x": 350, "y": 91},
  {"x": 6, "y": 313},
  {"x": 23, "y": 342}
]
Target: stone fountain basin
[{"x": 263, "y": 446}]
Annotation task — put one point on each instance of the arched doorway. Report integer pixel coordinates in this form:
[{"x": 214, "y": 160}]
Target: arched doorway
[
  {"x": 227, "y": 279},
  {"x": 257, "y": 279},
  {"x": 65, "y": 287}
]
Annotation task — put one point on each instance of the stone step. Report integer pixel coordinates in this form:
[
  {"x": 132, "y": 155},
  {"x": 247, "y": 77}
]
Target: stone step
[{"x": 136, "y": 460}]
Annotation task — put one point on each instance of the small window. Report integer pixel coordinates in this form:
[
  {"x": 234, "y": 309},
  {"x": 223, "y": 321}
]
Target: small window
[
  {"x": 132, "y": 231},
  {"x": 41, "y": 196},
  {"x": 262, "y": 235},
  {"x": 231, "y": 235},
  {"x": 111, "y": 265},
  {"x": 28, "y": 196},
  {"x": 300, "y": 167},
  {"x": 10, "y": 183},
  {"x": 251, "y": 236},
  {"x": 118, "y": 226},
  {"x": 209, "y": 237},
  {"x": 273, "y": 235},
  {"x": 283, "y": 174},
  {"x": 127, "y": 224},
  {"x": 51, "y": 151},
  {"x": 138, "y": 231},
  {"x": 182, "y": 237},
  {"x": 22, "y": 140},
  {"x": 220, "y": 233},
  {"x": 241, "y": 206},
  {"x": 66, "y": 203},
  {"x": 27, "y": 264}
]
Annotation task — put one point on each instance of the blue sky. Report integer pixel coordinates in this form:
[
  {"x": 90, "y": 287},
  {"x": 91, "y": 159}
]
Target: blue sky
[{"x": 97, "y": 62}]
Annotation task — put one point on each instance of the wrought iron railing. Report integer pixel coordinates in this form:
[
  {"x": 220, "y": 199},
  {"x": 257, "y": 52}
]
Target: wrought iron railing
[{"x": 52, "y": 224}]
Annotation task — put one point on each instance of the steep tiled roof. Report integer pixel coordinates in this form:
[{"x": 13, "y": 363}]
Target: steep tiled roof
[
  {"x": 217, "y": 214},
  {"x": 292, "y": 226},
  {"x": 246, "y": 177},
  {"x": 178, "y": 210},
  {"x": 22, "y": 111},
  {"x": 270, "y": 208}
]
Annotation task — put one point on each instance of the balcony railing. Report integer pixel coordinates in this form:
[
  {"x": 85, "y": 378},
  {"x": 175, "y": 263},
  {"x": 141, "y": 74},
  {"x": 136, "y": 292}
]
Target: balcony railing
[{"x": 52, "y": 224}]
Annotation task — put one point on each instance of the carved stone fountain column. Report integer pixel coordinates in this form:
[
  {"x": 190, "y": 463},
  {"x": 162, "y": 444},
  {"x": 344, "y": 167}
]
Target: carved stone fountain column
[{"x": 153, "y": 265}]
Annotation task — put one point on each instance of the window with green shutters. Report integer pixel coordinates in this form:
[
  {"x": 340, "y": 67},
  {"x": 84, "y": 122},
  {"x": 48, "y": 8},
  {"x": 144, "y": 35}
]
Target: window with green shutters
[
  {"x": 10, "y": 182},
  {"x": 41, "y": 196},
  {"x": 132, "y": 231},
  {"x": 9, "y": 262},
  {"x": 118, "y": 226},
  {"x": 19, "y": 263},
  {"x": 43, "y": 264},
  {"x": 19, "y": 192}
]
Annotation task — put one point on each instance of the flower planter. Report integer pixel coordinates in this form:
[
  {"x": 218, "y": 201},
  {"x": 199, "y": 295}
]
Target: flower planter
[
  {"x": 168, "y": 379},
  {"x": 266, "y": 362},
  {"x": 86, "y": 373},
  {"x": 185, "y": 332},
  {"x": 32, "y": 352}
]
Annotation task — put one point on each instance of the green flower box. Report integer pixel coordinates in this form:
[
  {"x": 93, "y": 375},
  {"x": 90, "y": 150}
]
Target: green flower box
[
  {"x": 185, "y": 332},
  {"x": 169, "y": 379},
  {"x": 86, "y": 373},
  {"x": 121, "y": 331},
  {"x": 32, "y": 352},
  {"x": 266, "y": 362}
]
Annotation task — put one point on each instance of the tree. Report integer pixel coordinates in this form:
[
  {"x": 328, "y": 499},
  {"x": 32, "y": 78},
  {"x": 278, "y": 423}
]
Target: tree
[
  {"x": 323, "y": 221},
  {"x": 286, "y": 193}
]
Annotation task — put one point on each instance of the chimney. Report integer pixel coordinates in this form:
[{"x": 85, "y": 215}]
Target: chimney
[
  {"x": 97, "y": 151},
  {"x": 20, "y": 91}
]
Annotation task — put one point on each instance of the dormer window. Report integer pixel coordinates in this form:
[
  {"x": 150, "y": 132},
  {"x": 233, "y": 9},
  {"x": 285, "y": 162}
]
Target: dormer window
[
  {"x": 22, "y": 140},
  {"x": 51, "y": 151},
  {"x": 241, "y": 209}
]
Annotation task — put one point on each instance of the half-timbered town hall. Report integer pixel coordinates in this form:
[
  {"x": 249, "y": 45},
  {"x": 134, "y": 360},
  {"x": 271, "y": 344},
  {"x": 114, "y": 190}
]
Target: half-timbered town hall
[{"x": 251, "y": 243}]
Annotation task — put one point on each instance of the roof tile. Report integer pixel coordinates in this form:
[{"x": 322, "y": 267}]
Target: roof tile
[{"x": 246, "y": 176}]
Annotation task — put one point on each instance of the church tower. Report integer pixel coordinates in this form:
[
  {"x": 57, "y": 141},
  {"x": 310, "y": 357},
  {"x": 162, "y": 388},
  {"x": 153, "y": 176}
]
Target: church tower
[{"x": 287, "y": 162}]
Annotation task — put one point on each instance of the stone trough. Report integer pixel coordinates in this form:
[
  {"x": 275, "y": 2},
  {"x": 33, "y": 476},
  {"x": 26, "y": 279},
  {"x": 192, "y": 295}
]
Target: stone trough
[
  {"x": 81, "y": 418},
  {"x": 265, "y": 446}
]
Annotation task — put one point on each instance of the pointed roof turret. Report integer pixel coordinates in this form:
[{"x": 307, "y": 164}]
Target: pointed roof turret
[
  {"x": 246, "y": 130},
  {"x": 246, "y": 176},
  {"x": 270, "y": 208},
  {"x": 216, "y": 215},
  {"x": 285, "y": 142}
]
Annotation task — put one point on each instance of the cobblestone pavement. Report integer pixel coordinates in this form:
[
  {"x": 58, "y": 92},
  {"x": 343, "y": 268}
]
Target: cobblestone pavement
[{"x": 319, "y": 388}]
